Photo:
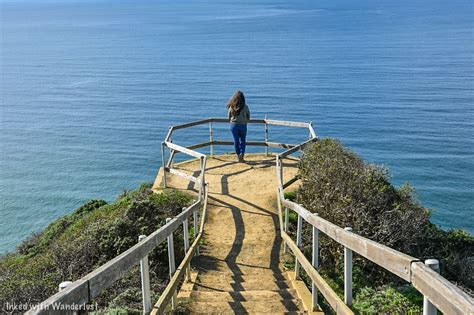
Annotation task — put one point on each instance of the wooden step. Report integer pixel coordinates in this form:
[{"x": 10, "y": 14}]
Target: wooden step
[
  {"x": 251, "y": 285},
  {"x": 242, "y": 296},
  {"x": 205, "y": 264},
  {"x": 246, "y": 307},
  {"x": 231, "y": 277}
]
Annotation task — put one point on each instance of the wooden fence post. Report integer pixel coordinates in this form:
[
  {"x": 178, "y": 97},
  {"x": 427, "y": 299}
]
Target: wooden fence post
[
  {"x": 145, "y": 276},
  {"x": 298, "y": 243},
  {"x": 287, "y": 222},
  {"x": 428, "y": 307},
  {"x": 186, "y": 245},
  {"x": 315, "y": 262},
  {"x": 211, "y": 139},
  {"x": 196, "y": 228},
  {"x": 163, "y": 156},
  {"x": 172, "y": 264},
  {"x": 266, "y": 136},
  {"x": 203, "y": 178},
  {"x": 348, "y": 273}
]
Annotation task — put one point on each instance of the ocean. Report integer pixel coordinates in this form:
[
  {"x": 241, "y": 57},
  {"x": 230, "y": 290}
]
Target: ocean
[{"x": 89, "y": 88}]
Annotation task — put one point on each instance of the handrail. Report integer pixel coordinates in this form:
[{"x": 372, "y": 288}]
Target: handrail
[
  {"x": 88, "y": 287},
  {"x": 444, "y": 295},
  {"x": 184, "y": 150},
  {"x": 167, "y": 295},
  {"x": 394, "y": 261},
  {"x": 333, "y": 299},
  {"x": 251, "y": 121}
]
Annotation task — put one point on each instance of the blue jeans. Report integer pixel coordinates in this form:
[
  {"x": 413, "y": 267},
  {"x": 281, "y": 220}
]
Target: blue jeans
[{"x": 239, "y": 132}]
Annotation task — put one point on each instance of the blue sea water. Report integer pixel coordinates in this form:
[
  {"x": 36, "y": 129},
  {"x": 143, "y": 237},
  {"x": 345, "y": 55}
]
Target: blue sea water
[{"x": 89, "y": 88}]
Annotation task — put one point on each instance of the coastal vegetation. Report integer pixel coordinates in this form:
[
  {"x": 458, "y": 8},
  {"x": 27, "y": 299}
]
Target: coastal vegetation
[
  {"x": 342, "y": 188},
  {"x": 79, "y": 242}
]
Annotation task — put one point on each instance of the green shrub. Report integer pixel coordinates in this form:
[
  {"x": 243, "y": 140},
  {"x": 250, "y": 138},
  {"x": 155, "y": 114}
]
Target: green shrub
[
  {"x": 290, "y": 195},
  {"x": 39, "y": 241},
  {"x": 343, "y": 189},
  {"x": 386, "y": 300},
  {"x": 455, "y": 250},
  {"x": 77, "y": 243}
]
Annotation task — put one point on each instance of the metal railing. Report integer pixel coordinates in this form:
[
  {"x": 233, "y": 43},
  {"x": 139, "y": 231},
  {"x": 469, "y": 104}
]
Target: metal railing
[{"x": 439, "y": 293}]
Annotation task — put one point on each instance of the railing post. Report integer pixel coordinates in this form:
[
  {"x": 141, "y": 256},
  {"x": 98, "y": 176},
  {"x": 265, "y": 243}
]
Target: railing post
[
  {"x": 63, "y": 285},
  {"x": 211, "y": 139},
  {"x": 203, "y": 179},
  {"x": 172, "y": 154},
  {"x": 279, "y": 165},
  {"x": 348, "y": 273},
  {"x": 266, "y": 136},
  {"x": 287, "y": 221},
  {"x": 428, "y": 307},
  {"x": 298, "y": 243},
  {"x": 145, "y": 275},
  {"x": 186, "y": 245},
  {"x": 172, "y": 264},
  {"x": 163, "y": 156},
  {"x": 196, "y": 228},
  {"x": 315, "y": 262},
  {"x": 281, "y": 171},
  {"x": 171, "y": 159}
]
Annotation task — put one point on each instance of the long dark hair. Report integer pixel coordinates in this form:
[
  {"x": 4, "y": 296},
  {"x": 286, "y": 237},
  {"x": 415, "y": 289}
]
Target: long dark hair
[{"x": 236, "y": 103}]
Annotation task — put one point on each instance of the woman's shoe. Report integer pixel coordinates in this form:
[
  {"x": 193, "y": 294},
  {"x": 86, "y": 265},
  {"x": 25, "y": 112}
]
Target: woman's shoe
[{"x": 241, "y": 158}]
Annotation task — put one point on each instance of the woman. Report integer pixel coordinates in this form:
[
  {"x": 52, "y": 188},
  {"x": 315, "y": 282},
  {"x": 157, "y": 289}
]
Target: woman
[{"x": 239, "y": 115}]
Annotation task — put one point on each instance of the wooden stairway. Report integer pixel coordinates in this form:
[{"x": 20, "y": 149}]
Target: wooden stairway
[{"x": 239, "y": 266}]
